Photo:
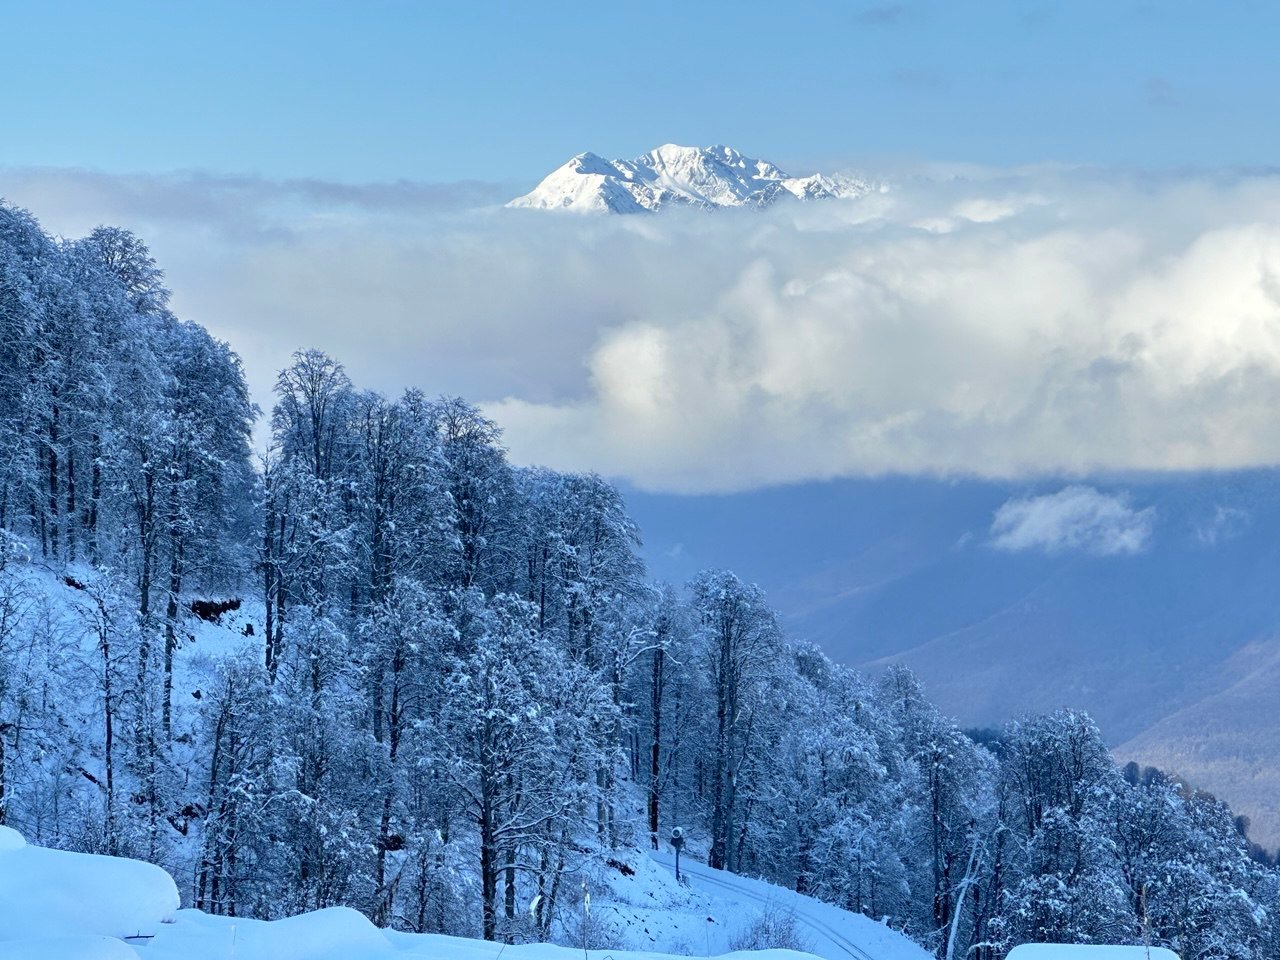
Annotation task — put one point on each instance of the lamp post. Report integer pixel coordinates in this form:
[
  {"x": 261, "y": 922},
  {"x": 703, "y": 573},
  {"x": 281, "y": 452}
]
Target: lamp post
[{"x": 677, "y": 841}]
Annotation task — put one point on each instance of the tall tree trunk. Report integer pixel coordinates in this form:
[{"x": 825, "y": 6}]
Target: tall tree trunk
[
  {"x": 146, "y": 542},
  {"x": 394, "y": 732},
  {"x": 95, "y": 496},
  {"x": 51, "y": 462},
  {"x": 509, "y": 895},
  {"x": 488, "y": 823},
  {"x": 4, "y": 786},
  {"x": 108, "y": 713},
  {"x": 145, "y": 509},
  {"x": 269, "y": 585},
  {"x": 488, "y": 877},
  {"x": 171, "y": 629},
  {"x": 656, "y": 685},
  {"x": 722, "y": 783},
  {"x": 277, "y": 638},
  {"x": 70, "y": 512}
]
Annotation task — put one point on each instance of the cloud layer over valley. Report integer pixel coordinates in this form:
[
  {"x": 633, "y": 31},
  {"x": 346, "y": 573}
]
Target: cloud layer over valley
[{"x": 993, "y": 323}]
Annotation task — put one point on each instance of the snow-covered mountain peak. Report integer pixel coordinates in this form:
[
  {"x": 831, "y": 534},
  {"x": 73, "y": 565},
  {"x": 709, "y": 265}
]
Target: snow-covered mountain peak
[
  {"x": 675, "y": 175},
  {"x": 589, "y": 163}
]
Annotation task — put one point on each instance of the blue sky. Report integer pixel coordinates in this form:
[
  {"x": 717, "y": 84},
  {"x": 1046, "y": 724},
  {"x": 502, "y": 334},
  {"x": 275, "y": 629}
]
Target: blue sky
[{"x": 376, "y": 90}]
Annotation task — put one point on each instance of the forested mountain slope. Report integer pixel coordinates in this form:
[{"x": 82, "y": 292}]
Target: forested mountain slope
[
  {"x": 382, "y": 667},
  {"x": 1166, "y": 642}
]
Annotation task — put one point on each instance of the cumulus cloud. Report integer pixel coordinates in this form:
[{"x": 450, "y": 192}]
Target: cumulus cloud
[
  {"x": 1076, "y": 518},
  {"x": 994, "y": 323}
]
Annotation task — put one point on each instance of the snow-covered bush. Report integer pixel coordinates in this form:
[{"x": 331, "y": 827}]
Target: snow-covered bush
[
  {"x": 591, "y": 930},
  {"x": 773, "y": 928},
  {"x": 12, "y": 550}
]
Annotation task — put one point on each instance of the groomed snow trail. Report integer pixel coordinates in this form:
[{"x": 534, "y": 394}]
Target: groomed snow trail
[{"x": 833, "y": 934}]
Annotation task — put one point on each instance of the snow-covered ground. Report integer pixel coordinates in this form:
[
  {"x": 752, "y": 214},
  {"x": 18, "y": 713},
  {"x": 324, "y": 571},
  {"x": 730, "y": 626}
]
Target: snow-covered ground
[
  {"x": 56, "y": 905},
  {"x": 1060, "y": 951},
  {"x": 827, "y": 931}
]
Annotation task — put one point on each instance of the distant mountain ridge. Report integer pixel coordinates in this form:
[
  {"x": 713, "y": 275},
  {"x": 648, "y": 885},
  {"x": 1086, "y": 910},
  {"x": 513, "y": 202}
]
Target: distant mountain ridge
[{"x": 672, "y": 175}]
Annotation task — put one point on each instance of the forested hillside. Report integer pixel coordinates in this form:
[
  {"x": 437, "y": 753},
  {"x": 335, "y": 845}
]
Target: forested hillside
[{"x": 455, "y": 689}]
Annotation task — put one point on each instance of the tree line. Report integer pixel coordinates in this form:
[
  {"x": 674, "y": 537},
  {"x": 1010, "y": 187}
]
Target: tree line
[{"x": 457, "y": 695}]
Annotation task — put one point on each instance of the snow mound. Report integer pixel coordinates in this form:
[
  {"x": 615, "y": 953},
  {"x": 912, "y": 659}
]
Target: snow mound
[
  {"x": 53, "y": 893},
  {"x": 11, "y": 839},
  {"x": 67, "y": 948},
  {"x": 1063, "y": 951},
  {"x": 335, "y": 933},
  {"x": 672, "y": 175}
]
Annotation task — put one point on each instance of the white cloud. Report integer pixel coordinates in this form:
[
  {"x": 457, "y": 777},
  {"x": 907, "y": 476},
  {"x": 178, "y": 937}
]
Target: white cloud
[
  {"x": 1076, "y": 518},
  {"x": 1225, "y": 523},
  {"x": 996, "y": 323}
]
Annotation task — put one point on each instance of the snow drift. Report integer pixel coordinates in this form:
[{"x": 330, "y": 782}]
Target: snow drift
[{"x": 56, "y": 894}]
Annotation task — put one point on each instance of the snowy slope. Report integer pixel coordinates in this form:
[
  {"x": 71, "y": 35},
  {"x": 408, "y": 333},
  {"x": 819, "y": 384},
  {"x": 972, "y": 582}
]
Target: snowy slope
[
  {"x": 828, "y": 931},
  {"x": 57, "y": 905},
  {"x": 672, "y": 175},
  {"x": 1059, "y": 951},
  {"x": 637, "y": 904}
]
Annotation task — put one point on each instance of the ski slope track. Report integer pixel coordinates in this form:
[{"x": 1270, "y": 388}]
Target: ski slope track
[{"x": 833, "y": 934}]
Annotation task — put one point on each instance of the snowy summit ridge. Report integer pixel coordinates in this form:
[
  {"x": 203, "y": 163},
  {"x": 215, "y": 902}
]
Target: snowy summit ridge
[{"x": 671, "y": 175}]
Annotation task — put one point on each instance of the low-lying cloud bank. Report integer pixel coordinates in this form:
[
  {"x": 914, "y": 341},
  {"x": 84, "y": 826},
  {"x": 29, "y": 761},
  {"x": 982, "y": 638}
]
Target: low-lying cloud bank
[
  {"x": 1075, "y": 519},
  {"x": 996, "y": 323}
]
